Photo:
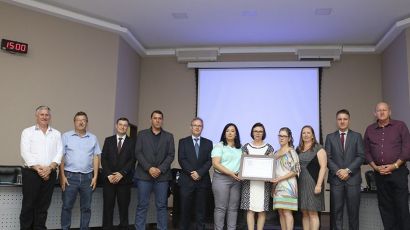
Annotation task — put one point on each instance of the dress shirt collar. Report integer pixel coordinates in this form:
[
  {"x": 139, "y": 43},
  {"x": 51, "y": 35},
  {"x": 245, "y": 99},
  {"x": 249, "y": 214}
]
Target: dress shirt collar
[
  {"x": 199, "y": 139},
  {"x": 73, "y": 133},
  {"x": 391, "y": 123},
  {"x": 49, "y": 129},
  {"x": 345, "y": 132},
  {"x": 123, "y": 137}
]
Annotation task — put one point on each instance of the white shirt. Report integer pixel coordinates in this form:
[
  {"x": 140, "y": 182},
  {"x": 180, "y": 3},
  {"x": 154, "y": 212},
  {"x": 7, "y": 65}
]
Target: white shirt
[
  {"x": 38, "y": 148},
  {"x": 199, "y": 140},
  {"x": 122, "y": 140}
]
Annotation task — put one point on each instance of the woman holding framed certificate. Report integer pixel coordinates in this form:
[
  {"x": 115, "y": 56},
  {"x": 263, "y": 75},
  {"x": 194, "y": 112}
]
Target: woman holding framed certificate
[
  {"x": 226, "y": 157},
  {"x": 313, "y": 163},
  {"x": 287, "y": 167},
  {"x": 256, "y": 193}
]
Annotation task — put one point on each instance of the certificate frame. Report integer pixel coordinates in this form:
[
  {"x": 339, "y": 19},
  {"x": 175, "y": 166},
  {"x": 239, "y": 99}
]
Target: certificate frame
[{"x": 251, "y": 162}]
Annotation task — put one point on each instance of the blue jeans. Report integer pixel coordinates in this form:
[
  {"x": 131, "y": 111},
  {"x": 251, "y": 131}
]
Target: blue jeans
[
  {"x": 78, "y": 183},
  {"x": 144, "y": 189}
]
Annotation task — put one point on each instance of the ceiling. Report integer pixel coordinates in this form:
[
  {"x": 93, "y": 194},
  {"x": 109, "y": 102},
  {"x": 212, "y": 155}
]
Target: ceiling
[{"x": 159, "y": 27}]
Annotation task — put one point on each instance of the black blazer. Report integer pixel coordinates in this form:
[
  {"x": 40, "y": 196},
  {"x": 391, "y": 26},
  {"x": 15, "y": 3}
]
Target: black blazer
[
  {"x": 148, "y": 155},
  {"x": 189, "y": 162},
  {"x": 124, "y": 162},
  {"x": 352, "y": 157}
]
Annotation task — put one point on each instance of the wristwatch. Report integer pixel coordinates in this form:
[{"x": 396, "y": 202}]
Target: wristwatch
[{"x": 396, "y": 165}]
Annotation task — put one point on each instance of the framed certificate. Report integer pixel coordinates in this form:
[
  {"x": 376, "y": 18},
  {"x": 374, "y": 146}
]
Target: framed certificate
[{"x": 257, "y": 167}]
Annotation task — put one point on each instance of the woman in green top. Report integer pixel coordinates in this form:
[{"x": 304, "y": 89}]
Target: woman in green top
[{"x": 226, "y": 157}]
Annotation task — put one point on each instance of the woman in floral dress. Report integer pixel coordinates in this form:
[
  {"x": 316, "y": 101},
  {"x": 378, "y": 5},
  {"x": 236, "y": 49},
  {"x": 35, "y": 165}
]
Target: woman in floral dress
[{"x": 285, "y": 192}]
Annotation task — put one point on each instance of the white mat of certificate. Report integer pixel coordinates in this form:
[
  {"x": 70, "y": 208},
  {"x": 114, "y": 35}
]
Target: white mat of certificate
[{"x": 257, "y": 167}]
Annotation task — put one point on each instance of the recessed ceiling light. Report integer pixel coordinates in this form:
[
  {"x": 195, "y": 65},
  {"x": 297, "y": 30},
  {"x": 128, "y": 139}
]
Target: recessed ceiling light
[
  {"x": 249, "y": 13},
  {"x": 179, "y": 15},
  {"x": 323, "y": 11}
]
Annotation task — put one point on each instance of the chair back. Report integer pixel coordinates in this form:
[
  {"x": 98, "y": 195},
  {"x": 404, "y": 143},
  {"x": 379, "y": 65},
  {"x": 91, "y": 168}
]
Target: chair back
[{"x": 10, "y": 175}]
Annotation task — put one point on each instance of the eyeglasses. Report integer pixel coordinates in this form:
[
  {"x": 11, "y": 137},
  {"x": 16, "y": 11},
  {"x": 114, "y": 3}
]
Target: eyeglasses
[
  {"x": 257, "y": 131},
  {"x": 283, "y": 136}
]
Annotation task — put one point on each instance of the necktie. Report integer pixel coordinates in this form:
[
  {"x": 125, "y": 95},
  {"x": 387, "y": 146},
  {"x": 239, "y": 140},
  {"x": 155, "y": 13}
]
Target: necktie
[
  {"x": 119, "y": 145},
  {"x": 196, "y": 147},
  {"x": 342, "y": 140}
]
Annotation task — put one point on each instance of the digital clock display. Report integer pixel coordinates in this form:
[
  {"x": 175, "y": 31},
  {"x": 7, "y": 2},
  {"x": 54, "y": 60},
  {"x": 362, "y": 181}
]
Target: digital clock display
[{"x": 14, "y": 46}]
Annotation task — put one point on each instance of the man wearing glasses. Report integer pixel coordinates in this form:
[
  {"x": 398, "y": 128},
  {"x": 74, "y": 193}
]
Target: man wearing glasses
[
  {"x": 194, "y": 157},
  {"x": 79, "y": 170}
]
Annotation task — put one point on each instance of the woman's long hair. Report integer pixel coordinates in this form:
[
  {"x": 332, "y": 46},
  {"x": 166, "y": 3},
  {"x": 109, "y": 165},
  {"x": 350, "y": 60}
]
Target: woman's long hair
[
  {"x": 237, "y": 138},
  {"x": 301, "y": 146}
]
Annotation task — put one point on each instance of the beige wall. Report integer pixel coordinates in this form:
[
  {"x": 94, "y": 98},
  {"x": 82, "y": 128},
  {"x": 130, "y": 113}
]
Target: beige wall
[
  {"x": 69, "y": 67},
  {"x": 396, "y": 75},
  {"x": 98, "y": 72},
  {"x": 170, "y": 87},
  {"x": 127, "y": 90},
  {"x": 354, "y": 83}
]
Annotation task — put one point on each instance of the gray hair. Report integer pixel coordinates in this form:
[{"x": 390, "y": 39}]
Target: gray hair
[{"x": 42, "y": 107}]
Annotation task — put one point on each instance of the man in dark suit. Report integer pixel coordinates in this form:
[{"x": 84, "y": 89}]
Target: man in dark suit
[
  {"x": 345, "y": 152},
  {"x": 155, "y": 152},
  {"x": 194, "y": 156},
  {"x": 118, "y": 162}
]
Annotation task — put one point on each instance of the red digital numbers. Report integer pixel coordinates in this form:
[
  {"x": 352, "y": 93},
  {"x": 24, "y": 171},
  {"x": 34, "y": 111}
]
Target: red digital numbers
[
  {"x": 16, "y": 46},
  {"x": 13, "y": 46}
]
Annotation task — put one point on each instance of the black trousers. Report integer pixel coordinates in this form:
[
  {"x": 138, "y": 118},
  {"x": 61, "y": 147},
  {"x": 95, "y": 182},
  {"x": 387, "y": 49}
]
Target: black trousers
[
  {"x": 393, "y": 198},
  {"x": 121, "y": 193},
  {"x": 37, "y": 195},
  {"x": 193, "y": 196}
]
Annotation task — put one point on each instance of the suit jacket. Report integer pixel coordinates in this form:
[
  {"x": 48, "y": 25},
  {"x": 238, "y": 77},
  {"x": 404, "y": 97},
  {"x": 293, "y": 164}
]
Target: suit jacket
[
  {"x": 352, "y": 157},
  {"x": 189, "y": 162},
  {"x": 123, "y": 162},
  {"x": 148, "y": 155}
]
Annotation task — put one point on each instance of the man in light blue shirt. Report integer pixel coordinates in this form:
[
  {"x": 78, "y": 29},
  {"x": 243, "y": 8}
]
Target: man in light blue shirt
[{"x": 79, "y": 170}]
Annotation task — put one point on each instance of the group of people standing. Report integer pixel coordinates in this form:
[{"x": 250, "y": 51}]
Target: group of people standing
[
  {"x": 298, "y": 184},
  {"x": 307, "y": 162}
]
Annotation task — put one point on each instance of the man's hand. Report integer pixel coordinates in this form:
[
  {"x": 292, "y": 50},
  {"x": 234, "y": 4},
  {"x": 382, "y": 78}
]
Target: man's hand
[
  {"x": 195, "y": 175},
  {"x": 43, "y": 171},
  {"x": 343, "y": 174},
  {"x": 63, "y": 182},
  {"x": 117, "y": 177},
  {"x": 154, "y": 172},
  {"x": 93, "y": 182},
  {"x": 386, "y": 169},
  {"x": 111, "y": 178}
]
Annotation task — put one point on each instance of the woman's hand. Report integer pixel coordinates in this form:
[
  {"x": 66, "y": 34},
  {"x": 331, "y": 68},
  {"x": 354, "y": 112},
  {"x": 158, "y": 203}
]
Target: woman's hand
[
  {"x": 235, "y": 176},
  {"x": 318, "y": 189},
  {"x": 276, "y": 180}
]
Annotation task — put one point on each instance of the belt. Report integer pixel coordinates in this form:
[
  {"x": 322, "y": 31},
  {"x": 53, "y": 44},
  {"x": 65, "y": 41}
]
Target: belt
[{"x": 78, "y": 172}]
